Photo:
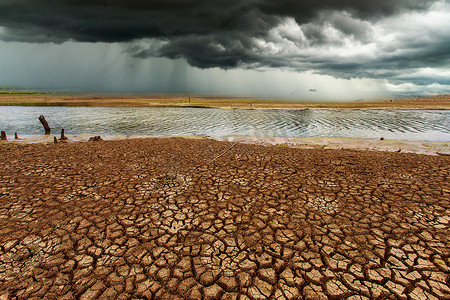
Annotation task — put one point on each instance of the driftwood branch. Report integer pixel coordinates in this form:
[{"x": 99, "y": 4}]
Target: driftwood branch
[
  {"x": 95, "y": 139},
  {"x": 223, "y": 153},
  {"x": 443, "y": 154}
]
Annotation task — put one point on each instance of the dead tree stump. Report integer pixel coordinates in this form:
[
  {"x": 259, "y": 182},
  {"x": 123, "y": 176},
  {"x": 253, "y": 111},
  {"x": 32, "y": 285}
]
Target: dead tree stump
[
  {"x": 45, "y": 124},
  {"x": 15, "y": 136},
  {"x": 3, "y": 136},
  {"x": 63, "y": 137},
  {"x": 55, "y": 140}
]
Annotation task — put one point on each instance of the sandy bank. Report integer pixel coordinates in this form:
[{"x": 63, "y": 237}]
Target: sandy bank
[{"x": 418, "y": 147}]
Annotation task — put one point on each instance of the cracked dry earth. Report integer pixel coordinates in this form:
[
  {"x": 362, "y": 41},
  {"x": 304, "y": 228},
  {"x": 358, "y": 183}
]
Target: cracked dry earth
[{"x": 198, "y": 219}]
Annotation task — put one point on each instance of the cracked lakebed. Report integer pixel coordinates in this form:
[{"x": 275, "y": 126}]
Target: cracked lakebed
[{"x": 179, "y": 218}]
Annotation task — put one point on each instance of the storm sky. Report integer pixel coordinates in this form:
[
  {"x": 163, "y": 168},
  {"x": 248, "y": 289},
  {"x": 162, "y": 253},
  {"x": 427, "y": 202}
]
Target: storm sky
[{"x": 331, "y": 49}]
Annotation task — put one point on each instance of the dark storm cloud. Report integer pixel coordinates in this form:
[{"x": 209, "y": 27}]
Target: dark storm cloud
[
  {"x": 226, "y": 33},
  {"x": 125, "y": 20}
]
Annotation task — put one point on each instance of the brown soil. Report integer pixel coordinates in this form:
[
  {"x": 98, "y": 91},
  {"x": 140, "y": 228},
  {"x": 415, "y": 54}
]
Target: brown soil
[
  {"x": 440, "y": 102},
  {"x": 198, "y": 219}
]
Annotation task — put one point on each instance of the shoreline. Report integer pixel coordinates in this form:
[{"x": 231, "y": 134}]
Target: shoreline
[
  {"x": 386, "y": 145},
  {"x": 202, "y": 219}
]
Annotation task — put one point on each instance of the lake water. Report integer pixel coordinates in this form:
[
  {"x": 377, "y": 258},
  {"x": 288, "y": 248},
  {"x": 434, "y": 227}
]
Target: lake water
[{"x": 413, "y": 125}]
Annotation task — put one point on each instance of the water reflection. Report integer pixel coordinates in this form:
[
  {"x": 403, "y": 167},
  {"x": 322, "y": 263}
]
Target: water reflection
[{"x": 429, "y": 125}]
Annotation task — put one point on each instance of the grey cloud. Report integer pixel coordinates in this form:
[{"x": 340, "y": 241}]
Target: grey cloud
[
  {"x": 206, "y": 51},
  {"x": 359, "y": 29},
  {"x": 200, "y": 51}
]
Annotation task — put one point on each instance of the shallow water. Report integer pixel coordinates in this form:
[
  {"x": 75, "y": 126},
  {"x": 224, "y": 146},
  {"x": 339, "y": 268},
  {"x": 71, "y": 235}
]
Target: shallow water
[{"x": 412, "y": 125}]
